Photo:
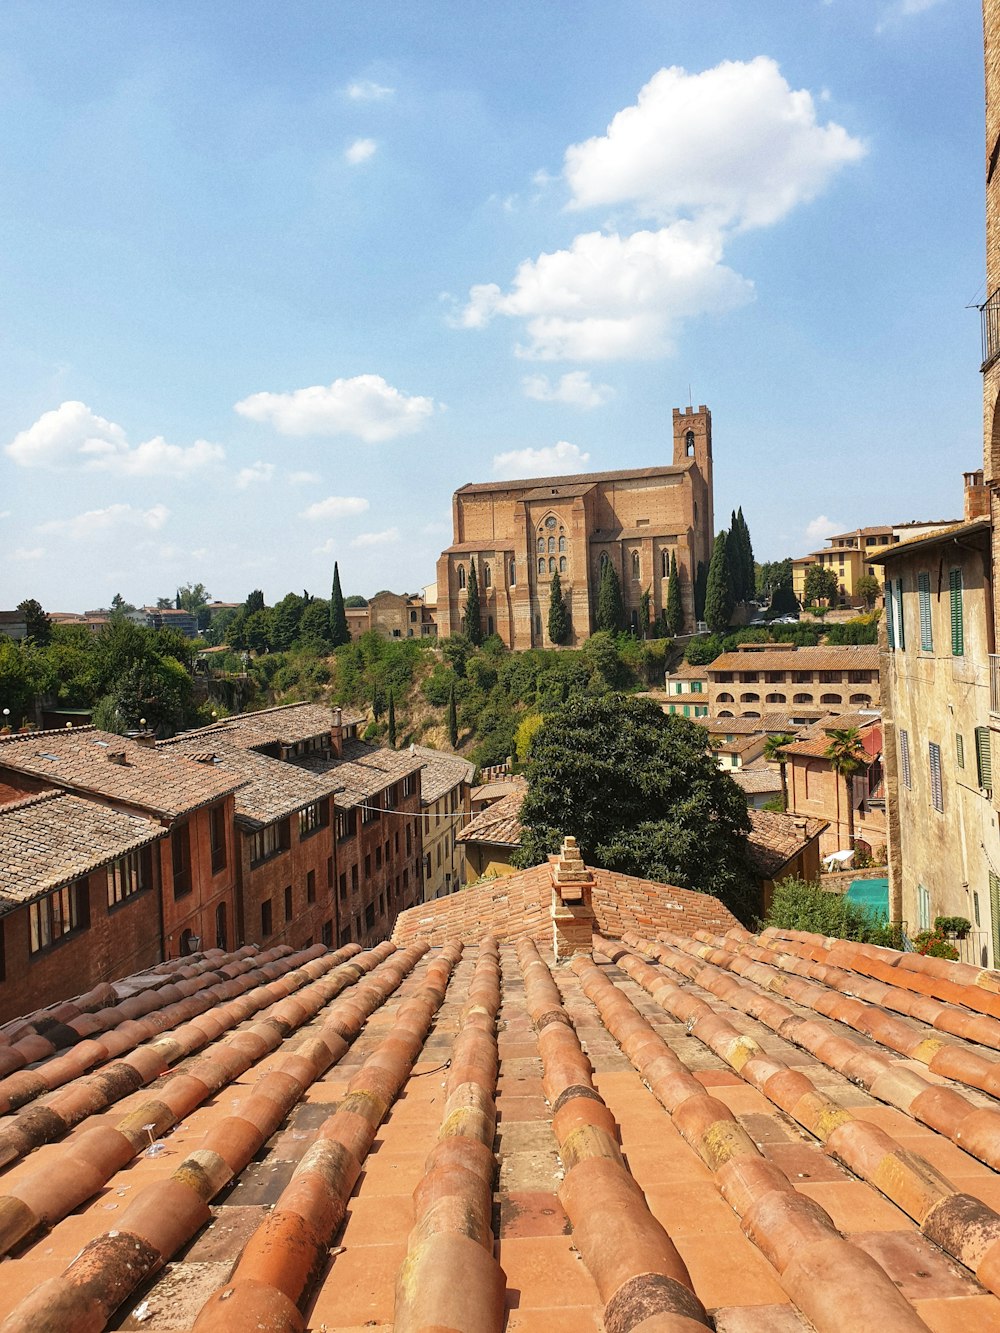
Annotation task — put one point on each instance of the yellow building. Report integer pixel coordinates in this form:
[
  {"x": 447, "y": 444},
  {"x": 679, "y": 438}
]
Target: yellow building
[
  {"x": 445, "y": 802},
  {"x": 849, "y": 555}
]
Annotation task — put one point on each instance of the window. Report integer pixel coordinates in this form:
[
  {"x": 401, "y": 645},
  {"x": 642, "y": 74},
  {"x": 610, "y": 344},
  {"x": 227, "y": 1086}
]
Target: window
[
  {"x": 60, "y": 914},
  {"x": 268, "y": 842},
  {"x": 346, "y": 824},
  {"x": 540, "y": 545},
  {"x": 959, "y": 750},
  {"x": 937, "y": 793},
  {"x": 984, "y": 758},
  {"x": 957, "y": 619},
  {"x": 562, "y": 543},
  {"x": 311, "y": 886},
  {"x": 487, "y": 576},
  {"x": 489, "y": 625},
  {"x": 461, "y": 576},
  {"x": 541, "y": 564},
  {"x": 552, "y": 564},
  {"x": 900, "y": 626},
  {"x": 217, "y": 837},
  {"x": 327, "y": 933},
  {"x": 923, "y": 908},
  {"x": 696, "y": 687},
  {"x": 904, "y": 759},
  {"x": 343, "y": 884},
  {"x": 409, "y": 840},
  {"x": 664, "y": 564},
  {"x": 370, "y": 811},
  {"x": 128, "y": 875},
  {"x": 636, "y": 571},
  {"x": 562, "y": 564},
  {"x": 512, "y": 574},
  {"x": 288, "y": 902},
  {"x": 378, "y": 858},
  {"x": 924, "y": 598},
  {"x": 266, "y": 923},
  {"x": 180, "y": 852},
  {"x": 220, "y": 926},
  {"x": 312, "y": 819},
  {"x": 550, "y": 522},
  {"x": 409, "y": 784},
  {"x": 354, "y": 879},
  {"x": 329, "y": 872},
  {"x": 689, "y": 444},
  {"x": 552, "y": 544},
  {"x": 370, "y": 916},
  {"x": 802, "y": 699},
  {"x": 368, "y": 868},
  {"x": 413, "y": 617},
  {"x": 890, "y": 615}
]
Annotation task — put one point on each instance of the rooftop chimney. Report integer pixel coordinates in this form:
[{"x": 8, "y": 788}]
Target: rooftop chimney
[
  {"x": 337, "y": 733},
  {"x": 572, "y": 902},
  {"x": 977, "y": 496},
  {"x": 117, "y": 757}
]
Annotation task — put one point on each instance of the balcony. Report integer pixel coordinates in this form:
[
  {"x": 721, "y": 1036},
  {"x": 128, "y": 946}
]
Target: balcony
[
  {"x": 990, "y": 315},
  {"x": 995, "y": 685}
]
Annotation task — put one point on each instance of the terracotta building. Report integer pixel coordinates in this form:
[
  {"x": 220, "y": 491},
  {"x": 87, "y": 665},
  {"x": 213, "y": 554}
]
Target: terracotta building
[
  {"x": 815, "y": 790},
  {"x": 522, "y": 532}
]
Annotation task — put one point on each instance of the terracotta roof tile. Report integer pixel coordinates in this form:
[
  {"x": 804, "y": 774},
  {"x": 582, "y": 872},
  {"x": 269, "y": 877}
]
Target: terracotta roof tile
[
  {"x": 51, "y": 839},
  {"x": 757, "y": 781},
  {"x": 775, "y": 838},
  {"x": 440, "y": 771},
  {"x": 583, "y": 480},
  {"x": 844, "y": 657},
  {"x": 270, "y": 789},
  {"x": 362, "y": 771},
  {"x": 283, "y": 725},
  {"x": 499, "y": 824}
]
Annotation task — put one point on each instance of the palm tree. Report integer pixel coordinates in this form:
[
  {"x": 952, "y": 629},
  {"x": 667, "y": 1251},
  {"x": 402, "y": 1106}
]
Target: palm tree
[
  {"x": 846, "y": 753},
  {"x": 775, "y": 753}
]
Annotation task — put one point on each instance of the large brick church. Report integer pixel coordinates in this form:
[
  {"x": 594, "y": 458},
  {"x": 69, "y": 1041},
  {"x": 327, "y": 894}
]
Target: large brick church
[{"x": 521, "y": 532}]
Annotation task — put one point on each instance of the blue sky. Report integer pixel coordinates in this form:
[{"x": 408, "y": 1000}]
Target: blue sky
[{"x": 276, "y": 279}]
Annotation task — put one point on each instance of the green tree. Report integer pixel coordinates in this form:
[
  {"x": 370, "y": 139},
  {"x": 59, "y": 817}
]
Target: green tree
[
  {"x": 700, "y": 590},
  {"x": 355, "y": 601},
  {"x": 734, "y": 559},
  {"x": 473, "y": 615},
  {"x": 776, "y": 752},
  {"x": 645, "y": 603},
  {"x": 869, "y": 590},
  {"x": 392, "y": 720},
  {"x": 452, "y": 718},
  {"x": 559, "y": 626},
  {"x": 821, "y": 585},
  {"x": 674, "y": 613},
  {"x": 119, "y": 606},
  {"x": 339, "y": 633},
  {"x": 610, "y": 607},
  {"x": 718, "y": 592},
  {"x": 193, "y": 597},
  {"x": 640, "y": 794},
  {"x": 254, "y": 602},
  {"x": 846, "y": 754},
  {"x": 39, "y": 626},
  {"x": 746, "y": 558}
]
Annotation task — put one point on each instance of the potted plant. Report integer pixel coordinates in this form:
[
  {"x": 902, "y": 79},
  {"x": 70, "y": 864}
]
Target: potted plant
[{"x": 954, "y": 927}]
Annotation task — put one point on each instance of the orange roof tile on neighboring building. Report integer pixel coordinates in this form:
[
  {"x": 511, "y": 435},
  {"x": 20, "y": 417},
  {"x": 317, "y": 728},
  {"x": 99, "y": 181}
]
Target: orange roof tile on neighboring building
[
  {"x": 844, "y": 657},
  {"x": 499, "y": 824},
  {"x": 775, "y": 839}
]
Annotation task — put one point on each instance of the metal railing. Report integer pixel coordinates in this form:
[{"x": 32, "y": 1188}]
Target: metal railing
[
  {"x": 974, "y": 948},
  {"x": 989, "y": 313}
]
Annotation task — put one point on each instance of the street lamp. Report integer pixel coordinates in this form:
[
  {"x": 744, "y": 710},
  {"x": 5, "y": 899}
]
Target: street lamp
[{"x": 6, "y": 717}]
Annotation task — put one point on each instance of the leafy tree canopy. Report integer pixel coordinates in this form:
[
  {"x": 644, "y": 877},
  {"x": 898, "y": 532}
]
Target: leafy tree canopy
[
  {"x": 355, "y": 600},
  {"x": 38, "y": 624},
  {"x": 641, "y": 795}
]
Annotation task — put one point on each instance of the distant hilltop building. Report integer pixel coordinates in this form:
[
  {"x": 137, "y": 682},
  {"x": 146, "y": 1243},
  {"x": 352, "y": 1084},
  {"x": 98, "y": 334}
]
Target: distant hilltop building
[{"x": 522, "y": 532}]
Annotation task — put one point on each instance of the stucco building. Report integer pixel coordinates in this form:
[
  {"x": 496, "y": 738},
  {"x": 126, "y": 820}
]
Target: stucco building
[
  {"x": 445, "y": 808},
  {"x": 816, "y": 791},
  {"x": 520, "y": 533}
]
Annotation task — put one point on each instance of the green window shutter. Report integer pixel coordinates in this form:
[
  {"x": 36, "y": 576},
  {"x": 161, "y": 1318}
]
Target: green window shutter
[
  {"x": 901, "y": 635},
  {"x": 937, "y": 792},
  {"x": 890, "y": 615},
  {"x": 957, "y": 621},
  {"x": 984, "y": 758},
  {"x": 696, "y": 687},
  {"x": 904, "y": 758},
  {"x": 995, "y": 915},
  {"x": 687, "y": 710},
  {"x": 926, "y": 629},
  {"x": 959, "y": 750}
]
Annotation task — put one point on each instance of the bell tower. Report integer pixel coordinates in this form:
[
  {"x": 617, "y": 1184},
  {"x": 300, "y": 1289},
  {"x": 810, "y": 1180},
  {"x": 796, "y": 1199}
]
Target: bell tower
[{"x": 693, "y": 444}]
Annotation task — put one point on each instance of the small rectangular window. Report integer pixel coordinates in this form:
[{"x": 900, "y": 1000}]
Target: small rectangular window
[
  {"x": 934, "y": 759},
  {"x": 926, "y": 627},
  {"x": 370, "y": 916},
  {"x": 329, "y": 872},
  {"x": 217, "y": 836},
  {"x": 957, "y": 617},
  {"x": 354, "y": 879},
  {"x": 328, "y": 933},
  {"x": 60, "y": 914},
  {"x": 128, "y": 875},
  {"x": 343, "y": 885},
  {"x": 368, "y": 868},
  {"x": 311, "y": 886},
  {"x": 904, "y": 759},
  {"x": 180, "y": 851},
  {"x": 288, "y": 902},
  {"x": 266, "y": 924}
]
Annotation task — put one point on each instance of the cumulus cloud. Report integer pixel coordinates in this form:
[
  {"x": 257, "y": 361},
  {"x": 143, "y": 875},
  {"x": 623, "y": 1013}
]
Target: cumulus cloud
[
  {"x": 26, "y": 553},
  {"x": 700, "y": 157},
  {"x": 336, "y": 506},
  {"x": 905, "y": 9},
  {"x": 72, "y": 435},
  {"x": 612, "y": 297},
  {"x": 733, "y": 145},
  {"x": 304, "y": 478},
  {"x": 384, "y": 538},
  {"x": 94, "y": 522},
  {"x": 364, "y": 406},
  {"x": 575, "y": 389},
  {"x": 821, "y": 527},
  {"x": 554, "y": 460},
  {"x": 364, "y": 90},
  {"x": 256, "y": 472},
  {"x": 360, "y": 151}
]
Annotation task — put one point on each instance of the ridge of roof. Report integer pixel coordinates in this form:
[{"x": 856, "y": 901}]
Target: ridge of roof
[{"x": 576, "y": 478}]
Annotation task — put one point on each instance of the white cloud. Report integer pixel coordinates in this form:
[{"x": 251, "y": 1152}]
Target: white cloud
[
  {"x": 256, "y": 472},
  {"x": 72, "y": 434},
  {"x": 364, "y": 90},
  {"x": 331, "y": 545},
  {"x": 821, "y": 527},
  {"x": 364, "y": 406},
  {"x": 304, "y": 478},
  {"x": 336, "y": 506},
  {"x": 574, "y": 388},
  {"x": 904, "y": 9},
  {"x": 733, "y": 145},
  {"x": 384, "y": 538},
  {"x": 25, "y": 553},
  {"x": 96, "y": 521},
  {"x": 554, "y": 460},
  {"x": 611, "y": 297},
  {"x": 360, "y": 151}
]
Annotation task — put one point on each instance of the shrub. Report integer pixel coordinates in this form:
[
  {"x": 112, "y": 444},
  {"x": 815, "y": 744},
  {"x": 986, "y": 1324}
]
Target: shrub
[
  {"x": 952, "y": 925},
  {"x": 799, "y": 905},
  {"x": 932, "y": 944}
]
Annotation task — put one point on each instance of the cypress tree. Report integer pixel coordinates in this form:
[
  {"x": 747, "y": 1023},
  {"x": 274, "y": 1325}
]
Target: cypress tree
[
  {"x": 610, "y": 607},
  {"x": 452, "y": 718},
  {"x": 718, "y": 591},
  {"x": 473, "y": 615},
  {"x": 645, "y": 602},
  {"x": 700, "y": 589},
  {"x": 392, "y": 721},
  {"x": 339, "y": 633},
  {"x": 674, "y": 613},
  {"x": 749, "y": 568},
  {"x": 558, "y": 615},
  {"x": 734, "y": 560}
]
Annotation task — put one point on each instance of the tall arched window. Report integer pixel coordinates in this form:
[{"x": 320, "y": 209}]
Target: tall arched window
[
  {"x": 552, "y": 564},
  {"x": 605, "y": 561},
  {"x": 487, "y": 577},
  {"x": 635, "y": 565},
  {"x": 513, "y": 574},
  {"x": 541, "y": 564},
  {"x": 562, "y": 564},
  {"x": 562, "y": 543},
  {"x": 540, "y": 544},
  {"x": 664, "y": 563},
  {"x": 461, "y": 576},
  {"x": 552, "y": 543},
  {"x": 689, "y": 444}
]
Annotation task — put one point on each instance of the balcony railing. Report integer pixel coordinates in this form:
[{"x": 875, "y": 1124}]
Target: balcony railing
[
  {"x": 990, "y": 315},
  {"x": 995, "y": 684}
]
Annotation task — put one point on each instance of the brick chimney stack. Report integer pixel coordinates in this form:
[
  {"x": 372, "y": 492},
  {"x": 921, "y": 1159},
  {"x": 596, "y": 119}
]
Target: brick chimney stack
[
  {"x": 337, "y": 733},
  {"x": 572, "y": 902}
]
